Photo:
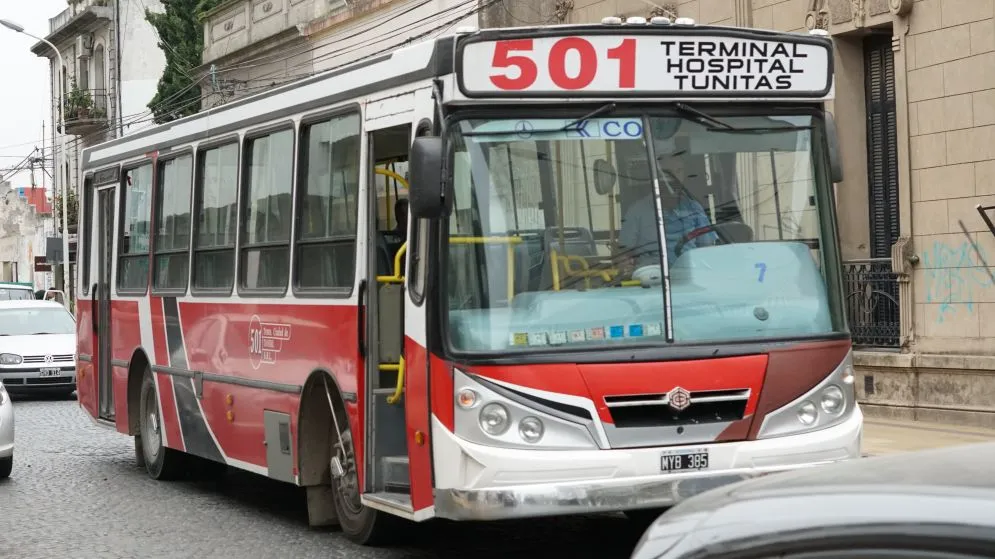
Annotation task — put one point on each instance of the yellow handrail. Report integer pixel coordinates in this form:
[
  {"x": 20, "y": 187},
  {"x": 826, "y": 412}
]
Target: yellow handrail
[
  {"x": 399, "y": 388},
  {"x": 388, "y": 173},
  {"x": 510, "y": 241},
  {"x": 398, "y": 276}
]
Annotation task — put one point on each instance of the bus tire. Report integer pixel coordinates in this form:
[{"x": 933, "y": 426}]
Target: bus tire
[
  {"x": 361, "y": 524},
  {"x": 160, "y": 462}
]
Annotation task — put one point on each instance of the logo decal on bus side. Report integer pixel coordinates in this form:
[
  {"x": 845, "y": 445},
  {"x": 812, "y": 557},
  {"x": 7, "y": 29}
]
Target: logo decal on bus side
[{"x": 266, "y": 340}]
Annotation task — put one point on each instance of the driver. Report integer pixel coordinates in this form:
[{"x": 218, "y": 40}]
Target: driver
[{"x": 638, "y": 237}]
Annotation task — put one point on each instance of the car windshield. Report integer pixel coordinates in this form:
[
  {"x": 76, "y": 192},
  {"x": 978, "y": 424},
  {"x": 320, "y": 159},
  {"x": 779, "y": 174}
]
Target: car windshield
[
  {"x": 554, "y": 239},
  {"x": 14, "y": 294},
  {"x": 38, "y": 320}
]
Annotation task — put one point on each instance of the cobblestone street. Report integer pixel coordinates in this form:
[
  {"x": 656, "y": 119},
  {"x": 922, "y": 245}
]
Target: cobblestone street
[{"x": 76, "y": 491}]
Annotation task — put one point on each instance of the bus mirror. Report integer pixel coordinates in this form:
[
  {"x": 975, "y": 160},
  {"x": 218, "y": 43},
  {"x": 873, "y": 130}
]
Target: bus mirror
[
  {"x": 604, "y": 177},
  {"x": 427, "y": 195},
  {"x": 835, "y": 162}
]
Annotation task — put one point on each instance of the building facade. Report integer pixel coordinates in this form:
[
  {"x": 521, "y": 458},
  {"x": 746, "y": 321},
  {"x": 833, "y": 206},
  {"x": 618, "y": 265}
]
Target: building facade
[
  {"x": 25, "y": 224},
  {"x": 110, "y": 72},
  {"x": 915, "y": 109},
  {"x": 250, "y": 46}
]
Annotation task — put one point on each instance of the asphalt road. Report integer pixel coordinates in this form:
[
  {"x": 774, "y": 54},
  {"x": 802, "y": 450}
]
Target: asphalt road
[{"x": 76, "y": 491}]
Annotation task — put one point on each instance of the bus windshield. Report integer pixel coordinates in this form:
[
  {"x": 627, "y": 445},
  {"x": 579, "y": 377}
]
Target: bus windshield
[{"x": 554, "y": 238}]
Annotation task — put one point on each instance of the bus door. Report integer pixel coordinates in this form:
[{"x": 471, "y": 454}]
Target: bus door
[
  {"x": 103, "y": 213},
  {"x": 386, "y": 456}
]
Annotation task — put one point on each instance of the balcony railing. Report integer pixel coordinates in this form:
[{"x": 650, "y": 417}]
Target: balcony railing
[
  {"x": 872, "y": 304},
  {"x": 85, "y": 110}
]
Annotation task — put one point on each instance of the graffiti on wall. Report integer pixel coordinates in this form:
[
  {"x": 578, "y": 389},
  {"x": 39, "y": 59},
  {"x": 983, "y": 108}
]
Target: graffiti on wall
[{"x": 956, "y": 274}]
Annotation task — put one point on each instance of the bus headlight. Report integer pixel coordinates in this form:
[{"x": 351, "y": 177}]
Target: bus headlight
[
  {"x": 807, "y": 413},
  {"x": 494, "y": 414},
  {"x": 833, "y": 399},
  {"x": 10, "y": 359},
  {"x": 494, "y": 419},
  {"x": 829, "y": 403},
  {"x": 531, "y": 429}
]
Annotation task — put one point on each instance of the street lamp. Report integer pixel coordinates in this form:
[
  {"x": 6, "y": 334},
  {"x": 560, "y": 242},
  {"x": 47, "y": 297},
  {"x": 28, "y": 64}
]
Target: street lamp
[{"x": 62, "y": 143}]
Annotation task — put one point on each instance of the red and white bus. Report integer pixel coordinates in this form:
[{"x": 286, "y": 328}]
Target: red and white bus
[{"x": 524, "y": 344}]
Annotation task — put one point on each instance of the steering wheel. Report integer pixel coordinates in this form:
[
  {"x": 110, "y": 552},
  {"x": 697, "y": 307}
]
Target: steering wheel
[{"x": 727, "y": 232}]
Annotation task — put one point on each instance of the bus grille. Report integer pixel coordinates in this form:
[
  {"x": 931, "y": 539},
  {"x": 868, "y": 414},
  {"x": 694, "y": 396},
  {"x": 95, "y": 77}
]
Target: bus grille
[{"x": 655, "y": 410}]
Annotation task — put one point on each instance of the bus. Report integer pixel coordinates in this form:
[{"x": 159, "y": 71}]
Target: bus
[{"x": 504, "y": 273}]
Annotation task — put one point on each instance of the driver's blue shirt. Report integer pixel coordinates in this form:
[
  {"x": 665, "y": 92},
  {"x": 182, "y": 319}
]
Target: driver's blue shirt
[{"x": 638, "y": 234}]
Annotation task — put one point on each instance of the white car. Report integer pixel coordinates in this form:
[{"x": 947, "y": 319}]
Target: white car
[
  {"x": 15, "y": 292},
  {"x": 37, "y": 347},
  {"x": 6, "y": 434}
]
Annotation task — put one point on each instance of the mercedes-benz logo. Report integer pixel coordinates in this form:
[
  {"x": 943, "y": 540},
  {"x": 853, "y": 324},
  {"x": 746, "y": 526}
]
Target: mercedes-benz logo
[
  {"x": 524, "y": 129},
  {"x": 678, "y": 398},
  {"x": 49, "y": 359}
]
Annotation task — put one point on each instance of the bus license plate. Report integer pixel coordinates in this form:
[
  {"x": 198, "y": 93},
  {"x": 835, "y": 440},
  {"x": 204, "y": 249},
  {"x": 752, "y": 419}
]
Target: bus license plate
[
  {"x": 51, "y": 372},
  {"x": 684, "y": 460}
]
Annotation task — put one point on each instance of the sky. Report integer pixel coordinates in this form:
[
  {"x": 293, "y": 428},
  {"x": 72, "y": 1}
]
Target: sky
[{"x": 24, "y": 90}]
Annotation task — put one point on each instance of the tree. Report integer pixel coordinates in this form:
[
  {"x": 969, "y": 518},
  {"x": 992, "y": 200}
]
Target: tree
[{"x": 181, "y": 38}]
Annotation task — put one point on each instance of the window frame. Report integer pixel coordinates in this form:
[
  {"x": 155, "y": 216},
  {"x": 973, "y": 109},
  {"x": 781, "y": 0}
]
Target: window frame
[
  {"x": 171, "y": 291},
  {"x": 301, "y": 179},
  {"x": 85, "y": 243},
  {"x": 122, "y": 201},
  {"x": 198, "y": 188},
  {"x": 243, "y": 190}
]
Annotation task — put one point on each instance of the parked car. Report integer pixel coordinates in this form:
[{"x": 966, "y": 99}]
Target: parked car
[
  {"x": 926, "y": 504},
  {"x": 10, "y": 291},
  {"x": 37, "y": 347},
  {"x": 6, "y": 434}
]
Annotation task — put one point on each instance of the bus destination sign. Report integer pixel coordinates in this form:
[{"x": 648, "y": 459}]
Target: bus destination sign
[{"x": 635, "y": 65}]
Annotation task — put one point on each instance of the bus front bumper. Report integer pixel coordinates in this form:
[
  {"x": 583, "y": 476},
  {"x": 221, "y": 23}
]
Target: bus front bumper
[{"x": 632, "y": 492}]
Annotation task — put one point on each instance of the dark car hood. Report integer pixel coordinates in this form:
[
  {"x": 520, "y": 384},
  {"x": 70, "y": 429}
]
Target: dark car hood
[{"x": 939, "y": 484}]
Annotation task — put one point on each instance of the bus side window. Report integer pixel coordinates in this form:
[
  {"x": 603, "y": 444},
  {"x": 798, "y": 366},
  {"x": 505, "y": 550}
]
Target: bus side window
[
  {"x": 213, "y": 265},
  {"x": 172, "y": 227},
  {"x": 133, "y": 254},
  {"x": 264, "y": 259},
  {"x": 328, "y": 202}
]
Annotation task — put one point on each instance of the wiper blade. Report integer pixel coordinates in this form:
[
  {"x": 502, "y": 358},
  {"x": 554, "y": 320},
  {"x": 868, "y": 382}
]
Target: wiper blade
[
  {"x": 687, "y": 109},
  {"x": 603, "y": 109},
  {"x": 568, "y": 127},
  {"x": 721, "y": 126}
]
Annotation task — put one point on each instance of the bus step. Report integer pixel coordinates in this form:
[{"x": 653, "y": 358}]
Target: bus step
[{"x": 395, "y": 473}]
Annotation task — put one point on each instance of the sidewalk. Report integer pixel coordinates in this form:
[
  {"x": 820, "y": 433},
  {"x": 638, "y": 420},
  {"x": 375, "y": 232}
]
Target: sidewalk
[{"x": 885, "y": 436}]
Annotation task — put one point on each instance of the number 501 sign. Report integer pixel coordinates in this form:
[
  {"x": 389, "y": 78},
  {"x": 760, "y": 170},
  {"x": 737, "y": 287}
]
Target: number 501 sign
[{"x": 651, "y": 64}]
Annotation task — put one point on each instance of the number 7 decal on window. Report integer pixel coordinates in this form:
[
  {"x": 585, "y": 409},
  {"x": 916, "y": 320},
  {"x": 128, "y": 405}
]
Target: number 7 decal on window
[{"x": 763, "y": 271}]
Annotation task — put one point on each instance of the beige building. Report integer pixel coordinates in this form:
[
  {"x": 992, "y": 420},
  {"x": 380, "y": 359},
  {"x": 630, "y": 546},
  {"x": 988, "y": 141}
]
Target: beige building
[
  {"x": 253, "y": 45},
  {"x": 915, "y": 107}
]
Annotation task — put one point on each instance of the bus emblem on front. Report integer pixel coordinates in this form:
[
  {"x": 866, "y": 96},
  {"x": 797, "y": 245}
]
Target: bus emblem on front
[{"x": 679, "y": 399}]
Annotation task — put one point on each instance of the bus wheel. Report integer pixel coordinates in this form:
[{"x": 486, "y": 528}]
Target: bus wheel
[
  {"x": 160, "y": 462},
  {"x": 361, "y": 524}
]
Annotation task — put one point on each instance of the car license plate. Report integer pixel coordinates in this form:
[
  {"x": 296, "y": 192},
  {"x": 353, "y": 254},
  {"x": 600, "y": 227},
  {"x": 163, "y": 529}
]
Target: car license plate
[
  {"x": 679, "y": 461},
  {"x": 51, "y": 372}
]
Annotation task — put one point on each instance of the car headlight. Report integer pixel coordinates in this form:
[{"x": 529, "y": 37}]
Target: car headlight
[
  {"x": 827, "y": 404},
  {"x": 489, "y": 413},
  {"x": 10, "y": 359}
]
